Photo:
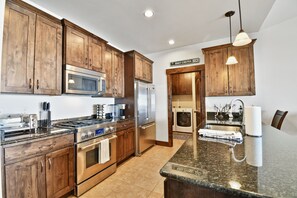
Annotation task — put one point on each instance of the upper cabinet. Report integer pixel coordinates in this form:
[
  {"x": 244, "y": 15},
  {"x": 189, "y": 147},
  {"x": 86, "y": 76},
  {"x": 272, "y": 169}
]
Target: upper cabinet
[
  {"x": 83, "y": 49},
  {"x": 114, "y": 69},
  {"x": 143, "y": 67},
  {"x": 182, "y": 84},
  {"x": 229, "y": 80},
  {"x": 32, "y": 49}
]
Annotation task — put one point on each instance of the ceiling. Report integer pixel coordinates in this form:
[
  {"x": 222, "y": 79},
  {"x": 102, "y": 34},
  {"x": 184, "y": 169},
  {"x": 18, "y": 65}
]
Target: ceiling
[{"x": 122, "y": 23}]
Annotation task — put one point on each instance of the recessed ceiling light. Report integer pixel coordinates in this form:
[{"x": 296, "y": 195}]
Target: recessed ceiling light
[
  {"x": 148, "y": 13},
  {"x": 171, "y": 42}
]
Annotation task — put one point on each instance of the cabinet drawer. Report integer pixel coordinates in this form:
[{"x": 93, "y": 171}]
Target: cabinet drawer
[
  {"x": 19, "y": 152},
  {"x": 125, "y": 125}
]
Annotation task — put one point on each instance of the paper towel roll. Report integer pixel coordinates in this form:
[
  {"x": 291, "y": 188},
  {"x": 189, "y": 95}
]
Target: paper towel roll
[
  {"x": 253, "y": 150},
  {"x": 253, "y": 121}
]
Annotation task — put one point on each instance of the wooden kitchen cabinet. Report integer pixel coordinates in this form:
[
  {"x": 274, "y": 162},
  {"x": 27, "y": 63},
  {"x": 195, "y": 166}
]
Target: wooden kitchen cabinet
[
  {"x": 229, "y": 80},
  {"x": 82, "y": 48},
  {"x": 114, "y": 69},
  {"x": 182, "y": 84},
  {"x": 59, "y": 172},
  {"x": 26, "y": 178},
  {"x": 143, "y": 68},
  {"x": 44, "y": 168},
  {"x": 32, "y": 47},
  {"x": 140, "y": 66},
  {"x": 125, "y": 143}
]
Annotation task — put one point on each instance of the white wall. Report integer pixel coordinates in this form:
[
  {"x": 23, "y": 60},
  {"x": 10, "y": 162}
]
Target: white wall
[{"x": 275, "y": 74}]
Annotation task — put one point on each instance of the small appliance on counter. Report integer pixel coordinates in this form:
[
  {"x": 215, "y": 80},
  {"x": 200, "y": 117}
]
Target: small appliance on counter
[
  {"x": 45, "y": 115},
  {"x": 16, "y": 126},
  {"x": 114, "y": 111},
  {"x": 120, "y": 111}
]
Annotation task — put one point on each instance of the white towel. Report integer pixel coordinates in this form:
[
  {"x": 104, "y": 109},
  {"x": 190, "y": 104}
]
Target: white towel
[
  {"x": 104, "y": 151},
  {"x": 229, "y": 135}
]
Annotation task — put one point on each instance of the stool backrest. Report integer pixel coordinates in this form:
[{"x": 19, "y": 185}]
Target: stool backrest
[{"x": 278, "y": 119}]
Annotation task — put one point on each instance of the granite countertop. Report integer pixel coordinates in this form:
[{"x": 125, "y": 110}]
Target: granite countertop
[
  {"x": 40, "y": 134},
  {"x": 258, "y": 167}
]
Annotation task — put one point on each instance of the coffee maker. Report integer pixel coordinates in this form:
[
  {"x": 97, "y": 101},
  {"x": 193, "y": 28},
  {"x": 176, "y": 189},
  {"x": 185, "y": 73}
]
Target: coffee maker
[{"x": 120, "y": 111}]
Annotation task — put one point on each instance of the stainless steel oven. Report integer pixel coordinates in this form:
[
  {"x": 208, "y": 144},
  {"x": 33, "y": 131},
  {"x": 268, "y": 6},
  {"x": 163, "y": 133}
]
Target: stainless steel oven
[
  {"x": 83, "y": 81},
  {"x": 88, "y": 162}
]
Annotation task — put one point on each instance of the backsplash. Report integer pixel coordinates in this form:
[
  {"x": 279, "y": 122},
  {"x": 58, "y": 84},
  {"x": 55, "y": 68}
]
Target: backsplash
[{"x": 62, "y": 107}]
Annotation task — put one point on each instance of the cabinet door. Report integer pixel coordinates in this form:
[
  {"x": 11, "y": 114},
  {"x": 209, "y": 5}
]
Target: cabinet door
[
  {"x": 147, "y": 71},
  {"x": 26, "y": 179},
  {"x": 108, "y": 71},
  {"x": 48, "y": 57},
  {"x": 120, "y": 146},
  {"x": 216, "y": 72},
  {"x": 76, "y": 48},
  {"x": 18, "y": 50},
  {"x": 138, "y": 67},
  {"x": 241, "y": 75},
  {"x": 96, "y": 54},
  {"x": 129, "y": 142},
  {"x": 118, "y": 74},
  {"x": 60, "y": 172}
]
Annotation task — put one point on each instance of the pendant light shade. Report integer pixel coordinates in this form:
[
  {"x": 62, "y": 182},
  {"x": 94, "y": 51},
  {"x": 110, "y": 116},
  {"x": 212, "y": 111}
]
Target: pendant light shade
[
  {"x": 231, "y": 60},
  {"x": 242, "y": 38}
]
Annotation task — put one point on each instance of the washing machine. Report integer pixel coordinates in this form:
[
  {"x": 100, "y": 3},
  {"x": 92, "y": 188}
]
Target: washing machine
[{"x": 184, "y": 120}]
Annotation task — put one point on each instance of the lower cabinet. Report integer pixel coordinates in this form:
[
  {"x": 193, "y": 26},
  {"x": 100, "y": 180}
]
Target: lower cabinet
[
  {"x": 125, "y": 144},
  {"x": 50, "y": 174},
  {"x": 30, "y": 178},
  {"x": 59, "y": 172},
  {"x": 26, "y": 178}
]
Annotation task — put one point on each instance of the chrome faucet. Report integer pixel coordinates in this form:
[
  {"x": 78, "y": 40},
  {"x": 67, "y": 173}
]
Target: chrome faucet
[{"x": 231, "y": 109}]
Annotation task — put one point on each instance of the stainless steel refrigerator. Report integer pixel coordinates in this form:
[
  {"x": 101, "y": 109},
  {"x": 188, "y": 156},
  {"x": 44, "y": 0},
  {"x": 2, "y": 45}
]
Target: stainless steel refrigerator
[{"x": 144, "y": 116}]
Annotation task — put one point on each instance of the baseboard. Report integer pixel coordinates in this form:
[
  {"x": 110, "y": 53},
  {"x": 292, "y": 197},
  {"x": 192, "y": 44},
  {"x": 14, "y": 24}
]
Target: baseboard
[{"x": 161, "y": 143}]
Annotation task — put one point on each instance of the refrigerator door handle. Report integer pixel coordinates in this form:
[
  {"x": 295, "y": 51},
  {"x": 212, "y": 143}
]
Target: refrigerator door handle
[{"x": 147, "y": 106}]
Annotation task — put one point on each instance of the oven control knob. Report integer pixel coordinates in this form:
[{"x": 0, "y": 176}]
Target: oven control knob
[
  {"x": 83, "y": 136},
  {"x": 106, "y": 130},
  {"x": 111, "y": 129},
  {"x": 90, "y": 134}
]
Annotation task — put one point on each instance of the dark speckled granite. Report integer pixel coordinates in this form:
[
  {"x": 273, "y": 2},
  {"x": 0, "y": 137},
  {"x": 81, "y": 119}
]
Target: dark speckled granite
[{"x": 210, "y": 164}]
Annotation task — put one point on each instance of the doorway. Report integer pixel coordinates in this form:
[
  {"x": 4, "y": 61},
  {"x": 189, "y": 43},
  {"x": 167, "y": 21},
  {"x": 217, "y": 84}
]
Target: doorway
[{"x": 186, "y": 99}]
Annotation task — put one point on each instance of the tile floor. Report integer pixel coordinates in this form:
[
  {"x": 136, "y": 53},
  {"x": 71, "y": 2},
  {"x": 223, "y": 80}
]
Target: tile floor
[{"x": 137, "y": 177}]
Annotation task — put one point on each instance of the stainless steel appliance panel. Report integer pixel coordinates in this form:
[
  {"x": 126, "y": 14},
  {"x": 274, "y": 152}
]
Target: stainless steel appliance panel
[
  {"x": 142, "y": 103},
  {"x": 87, "y": 162},
  {"x": 147, "y": 136}
]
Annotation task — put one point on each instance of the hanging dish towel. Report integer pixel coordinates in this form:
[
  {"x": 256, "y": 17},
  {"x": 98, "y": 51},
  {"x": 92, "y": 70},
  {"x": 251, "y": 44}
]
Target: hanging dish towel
[{"x": 104, "y": 151}]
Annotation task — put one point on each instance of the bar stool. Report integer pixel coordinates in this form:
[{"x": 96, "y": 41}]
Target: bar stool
[{"x": 278, "y": 119}]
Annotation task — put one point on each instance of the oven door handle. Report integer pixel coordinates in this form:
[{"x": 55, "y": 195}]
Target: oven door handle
[{"x": 85, "y": 147}]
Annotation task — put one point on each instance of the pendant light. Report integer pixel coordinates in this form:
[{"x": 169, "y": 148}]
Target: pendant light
[
  {"x": 242, "y": 38},
  {"x": 231, "y": 59}
]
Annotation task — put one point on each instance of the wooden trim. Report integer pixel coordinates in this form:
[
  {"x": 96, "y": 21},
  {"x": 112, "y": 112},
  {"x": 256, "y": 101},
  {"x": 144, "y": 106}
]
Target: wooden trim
[
  {"x": 169, "y": 72},
  {"x": 135, "y": 52},
  {"x": 224, "y": 46},
  {"x": 195, "y": 68},
  {"x": 161, "y": 143},
  {"x": 65, "y": 22},
  {"x": 35, "y": 10}
]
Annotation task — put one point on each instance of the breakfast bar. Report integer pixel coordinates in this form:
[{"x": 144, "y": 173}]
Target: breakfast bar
[{"x": 258, "y": 167}]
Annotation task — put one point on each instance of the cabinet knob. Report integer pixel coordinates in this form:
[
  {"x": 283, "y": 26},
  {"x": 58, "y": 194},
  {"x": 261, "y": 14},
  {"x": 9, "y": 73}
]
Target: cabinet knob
[
  {"x": 37, "y": 86},
  {"x": 49, "y": 163},
  {"x": 30, "y": 83}
]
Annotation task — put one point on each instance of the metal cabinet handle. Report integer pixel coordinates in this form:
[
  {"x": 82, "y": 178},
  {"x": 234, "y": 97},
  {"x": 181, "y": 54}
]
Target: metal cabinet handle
[
  {"x": 37, "y": 86},
  {"x": 49, "y": 163},
  {"x": 41, "y": 163},
  {"x": 148, "y": 126},
  {"x": 90, "y": 62},
  {"x": 86, "y": 61},
  {"x": 30, "y": 83}
]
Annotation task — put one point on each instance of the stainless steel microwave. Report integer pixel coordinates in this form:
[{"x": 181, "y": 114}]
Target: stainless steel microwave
[{"x": 78, "y": 80}]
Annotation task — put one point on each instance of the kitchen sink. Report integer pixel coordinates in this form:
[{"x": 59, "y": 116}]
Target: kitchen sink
[{"x": 223, "y": 127}]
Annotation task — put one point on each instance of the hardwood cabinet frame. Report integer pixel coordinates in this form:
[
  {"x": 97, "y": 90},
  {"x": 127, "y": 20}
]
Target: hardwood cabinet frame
[{"x": 230, "y": 80}]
